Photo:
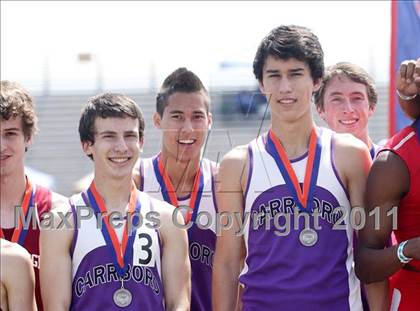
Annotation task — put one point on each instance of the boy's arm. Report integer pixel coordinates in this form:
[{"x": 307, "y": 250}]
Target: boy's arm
[
  {"x": 176, "y": 269},
  {"x": 229, "y": 247},
  {"x": 353, "y": 158},
  {"x": 56, "y": 264},
  {"x": 18, "y": 277}
]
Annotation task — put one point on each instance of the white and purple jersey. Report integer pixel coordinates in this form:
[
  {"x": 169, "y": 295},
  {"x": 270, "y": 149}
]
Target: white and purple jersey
[
  {"x": 279, "y": 271},
  {"x": 94, "y": 275},
  {"x": 202, "y": 241}
]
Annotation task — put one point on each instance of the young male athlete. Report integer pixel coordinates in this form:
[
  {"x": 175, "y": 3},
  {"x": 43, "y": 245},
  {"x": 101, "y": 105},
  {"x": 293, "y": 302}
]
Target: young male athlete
[
  {"x": 20, "y": 196},
  {"x": 139, "y": 262},
  {"x": 180, "y": 176},
  {"x": 393, "y": 204},
  {"x": 292, "y": 186},
  {"x": 17, "y": 278},
  {"x": 346, "y": 100}
]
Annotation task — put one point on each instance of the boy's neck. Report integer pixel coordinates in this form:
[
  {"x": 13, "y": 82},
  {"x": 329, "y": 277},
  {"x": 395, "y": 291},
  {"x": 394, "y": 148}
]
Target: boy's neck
[
  {"x": 12, "y": 190},
  {"x": 181, "y": 173},
  {"x": 295, "y": 136},
  {"x": 114, "y": 192}
]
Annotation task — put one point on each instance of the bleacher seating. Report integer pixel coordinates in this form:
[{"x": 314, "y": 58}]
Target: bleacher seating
[{"x": 57, "y": 150}]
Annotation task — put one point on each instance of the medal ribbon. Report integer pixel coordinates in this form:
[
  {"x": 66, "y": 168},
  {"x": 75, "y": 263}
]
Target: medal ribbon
[
  {"x": 372, "y": 152},
  {"x": 19, "y": 234},
  {"x": 120, "y": 253},
  {"x": 169, "y": 194},
  {"x": 303, "y": 198},
  {"x": 416, "y": 125}
]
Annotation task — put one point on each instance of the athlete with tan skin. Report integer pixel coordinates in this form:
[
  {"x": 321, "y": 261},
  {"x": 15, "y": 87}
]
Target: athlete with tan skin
[
  {"x": 289, "y": 84},
  {"x": 111, "y": 130},
  {"x": 183, "y": 116},
  {"x": 17, "y": 278},
  {"x": 184, "y": 120}
]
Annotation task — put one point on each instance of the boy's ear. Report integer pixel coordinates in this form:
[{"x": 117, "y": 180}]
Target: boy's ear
[
  {"x": 141, "y": 142},
  {"x": 317, "y": 85},
  {"x": 321, "y": 112},
  {"x": 261, "y": 87},
  {"x": 156, "y": 120},
  {"x": 87, "y": 148},
  {"x": 210, "y": 117},
  {"x": 28, "y": 142},
  {"x": 372, "y": 109}
]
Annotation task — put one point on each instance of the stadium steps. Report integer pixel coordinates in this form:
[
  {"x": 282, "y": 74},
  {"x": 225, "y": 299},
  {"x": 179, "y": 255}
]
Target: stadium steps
[{"x": 57, "y": 150}]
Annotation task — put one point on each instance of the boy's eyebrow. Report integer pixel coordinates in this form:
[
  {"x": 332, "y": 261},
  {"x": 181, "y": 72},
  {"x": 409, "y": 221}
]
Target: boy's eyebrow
[
  {"x": 357, "y": 93},
  {"x": 199, "y": 112},
  {"x": 341, "y": 93},
  {"x": 297, "y": 69},
  {"x": 12, "y": 129},
  {"x": 106, "y": 132},
  {"x": 175, "y": 111},
  {"x": 130, "y": 132},
  {"x": 335, "y": 93}
]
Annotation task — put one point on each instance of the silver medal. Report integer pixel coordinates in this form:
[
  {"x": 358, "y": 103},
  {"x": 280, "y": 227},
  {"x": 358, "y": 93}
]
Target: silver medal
[
  {"x": 308, "y": 237},
  {"x": 122, "y": 297}
]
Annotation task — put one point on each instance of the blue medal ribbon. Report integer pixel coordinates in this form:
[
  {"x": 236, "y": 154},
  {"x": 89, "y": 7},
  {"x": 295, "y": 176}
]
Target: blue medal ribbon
[
  {"x": 416, "y": 126},
  {"x": 372, "y": 152}
]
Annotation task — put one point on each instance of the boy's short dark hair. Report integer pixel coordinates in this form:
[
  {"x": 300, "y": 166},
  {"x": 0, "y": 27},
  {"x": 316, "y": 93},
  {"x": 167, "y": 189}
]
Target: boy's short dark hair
[
  {"x": 181, "y": 80},
  {"x": 352, "y": 72},
  {"x": 107, "y": 105},
  {"x": 285, "y": 42}
]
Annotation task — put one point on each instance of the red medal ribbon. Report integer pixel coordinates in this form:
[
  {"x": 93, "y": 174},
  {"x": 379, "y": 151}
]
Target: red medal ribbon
[
  {"x": 302, "y": 194},
  {"x": 118, "y": 248},
  {"x": 168, "y": 191}
]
